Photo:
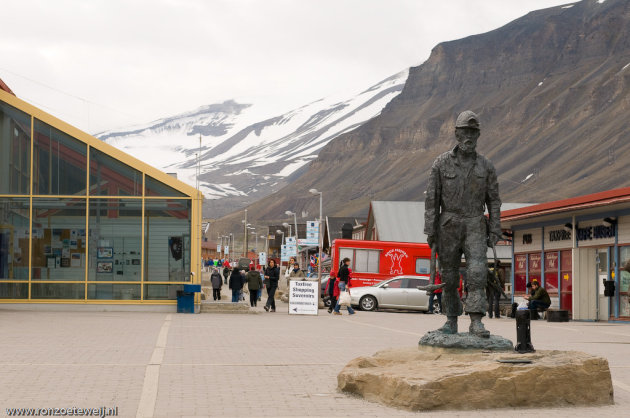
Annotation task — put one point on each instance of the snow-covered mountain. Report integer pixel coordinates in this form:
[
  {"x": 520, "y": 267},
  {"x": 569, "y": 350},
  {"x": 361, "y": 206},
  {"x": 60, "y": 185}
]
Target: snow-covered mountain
[{"x": 245, "y": 156}]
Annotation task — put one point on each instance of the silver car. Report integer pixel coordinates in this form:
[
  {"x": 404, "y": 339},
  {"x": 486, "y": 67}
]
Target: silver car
[{"x": 400, "y": 292}]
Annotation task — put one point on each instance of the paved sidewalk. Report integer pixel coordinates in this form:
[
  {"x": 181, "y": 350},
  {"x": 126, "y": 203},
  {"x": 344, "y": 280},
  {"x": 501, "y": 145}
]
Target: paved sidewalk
[{"x": 271, "y": 364}]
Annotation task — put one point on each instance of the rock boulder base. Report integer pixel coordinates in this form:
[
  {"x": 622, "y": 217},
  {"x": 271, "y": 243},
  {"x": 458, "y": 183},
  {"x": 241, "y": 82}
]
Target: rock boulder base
[{"x": 417, "y": 379}]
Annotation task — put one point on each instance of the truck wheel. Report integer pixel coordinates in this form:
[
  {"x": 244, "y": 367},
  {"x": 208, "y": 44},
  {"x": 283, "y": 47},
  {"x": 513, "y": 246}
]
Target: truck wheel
[{"x": 368, "y": 303}]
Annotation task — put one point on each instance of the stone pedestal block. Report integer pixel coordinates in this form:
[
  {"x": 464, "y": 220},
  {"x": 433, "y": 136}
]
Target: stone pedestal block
[{"x": 444, "y": 379}]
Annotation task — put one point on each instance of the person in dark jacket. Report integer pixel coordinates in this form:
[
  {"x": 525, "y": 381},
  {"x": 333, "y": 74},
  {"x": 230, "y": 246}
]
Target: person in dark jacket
[
  {"x": 344, "y": 284},
  {"x": 254, "y": 283},
  {"x": 236, "y": 284},
  {"x": 272, "y": 273},
  {"x": 331, "y": 290},
  {"x": 226, "y": 274},
  {"x": 215, "y": 279}
]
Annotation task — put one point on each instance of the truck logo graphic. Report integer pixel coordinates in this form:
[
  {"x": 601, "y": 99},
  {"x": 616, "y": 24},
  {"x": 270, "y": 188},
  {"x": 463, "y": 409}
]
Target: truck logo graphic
[{"x": 396, "y": 256}]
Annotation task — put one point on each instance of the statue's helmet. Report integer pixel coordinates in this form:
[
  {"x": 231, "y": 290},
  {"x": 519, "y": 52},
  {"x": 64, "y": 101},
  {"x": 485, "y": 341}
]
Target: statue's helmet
[{"x": 467, "y": 119}]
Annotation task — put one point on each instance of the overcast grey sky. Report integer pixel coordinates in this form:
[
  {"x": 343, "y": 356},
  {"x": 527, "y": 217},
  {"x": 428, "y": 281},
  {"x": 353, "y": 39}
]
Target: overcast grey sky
[{"x": 103, "y": 64}]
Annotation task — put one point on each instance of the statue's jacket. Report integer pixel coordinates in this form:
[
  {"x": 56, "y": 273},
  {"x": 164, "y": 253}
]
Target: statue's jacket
[{"x": 454, "y": 191}]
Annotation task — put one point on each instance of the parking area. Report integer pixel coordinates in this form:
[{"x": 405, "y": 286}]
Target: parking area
[{"x": 269, "y": 364}]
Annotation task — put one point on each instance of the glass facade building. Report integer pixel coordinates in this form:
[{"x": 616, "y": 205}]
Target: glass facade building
[{"x": 82, "y": 222}]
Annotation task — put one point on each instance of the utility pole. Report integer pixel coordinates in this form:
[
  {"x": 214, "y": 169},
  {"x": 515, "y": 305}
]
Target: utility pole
[{"x": 245, "y": 241}]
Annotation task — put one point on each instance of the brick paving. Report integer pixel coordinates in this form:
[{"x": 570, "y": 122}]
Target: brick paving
[{"x": 270, "y": 364}]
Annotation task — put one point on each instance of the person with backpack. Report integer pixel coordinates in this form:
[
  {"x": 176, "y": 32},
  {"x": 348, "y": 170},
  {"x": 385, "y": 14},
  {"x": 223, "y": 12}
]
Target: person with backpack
[
  {"x": 254, "y": 284},
  {"x": 215, "y": 279}
]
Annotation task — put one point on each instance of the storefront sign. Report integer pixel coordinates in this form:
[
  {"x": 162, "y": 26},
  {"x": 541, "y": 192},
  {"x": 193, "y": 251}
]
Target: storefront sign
[
  {"x": 595, "y": 232},
  {"x": 559, "y": 235},
  {"x": 527, "y": 239},
  {"x": 302, "y": 297}
]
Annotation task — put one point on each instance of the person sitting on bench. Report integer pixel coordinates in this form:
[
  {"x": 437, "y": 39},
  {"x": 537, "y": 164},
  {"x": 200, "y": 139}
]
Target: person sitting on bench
[{"x": 540, "y": 299}]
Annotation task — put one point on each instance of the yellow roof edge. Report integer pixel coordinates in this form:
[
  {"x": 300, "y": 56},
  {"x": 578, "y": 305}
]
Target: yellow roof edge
[{"x": 100, "y": 145}]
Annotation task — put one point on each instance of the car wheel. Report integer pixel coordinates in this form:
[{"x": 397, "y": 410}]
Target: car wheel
[
  {"x": 436, "y": 308},
  {"x": 368, "y": 303},
  {"x": 327, "y": 302}
]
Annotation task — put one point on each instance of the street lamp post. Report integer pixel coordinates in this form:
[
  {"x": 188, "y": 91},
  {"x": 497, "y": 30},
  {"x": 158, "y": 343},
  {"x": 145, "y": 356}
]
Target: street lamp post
[
  {"x": 295, "y": 222},
  {"x": 287, "y": 226},
  {"x": 321, "y": 243}
]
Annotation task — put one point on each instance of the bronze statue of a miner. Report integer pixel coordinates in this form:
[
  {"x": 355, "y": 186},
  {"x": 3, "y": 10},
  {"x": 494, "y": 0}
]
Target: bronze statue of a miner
[{"x": 461, "y": 185}]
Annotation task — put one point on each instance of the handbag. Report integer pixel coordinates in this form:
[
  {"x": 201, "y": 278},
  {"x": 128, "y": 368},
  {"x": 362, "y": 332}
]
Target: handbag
[{"x": 345, "y": 299}]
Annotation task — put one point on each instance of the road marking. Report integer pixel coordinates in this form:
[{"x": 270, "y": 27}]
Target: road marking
[
  {"x": 146, "y": 406},
  {"x": 621, "y": 385}
]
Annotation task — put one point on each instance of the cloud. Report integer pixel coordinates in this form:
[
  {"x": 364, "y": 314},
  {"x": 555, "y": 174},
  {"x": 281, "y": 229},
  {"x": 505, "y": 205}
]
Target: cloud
[{"x": 135, "y": 61}]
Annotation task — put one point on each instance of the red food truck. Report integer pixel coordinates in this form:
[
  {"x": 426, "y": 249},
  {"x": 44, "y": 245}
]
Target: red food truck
[{"x": 375, "y": 261}]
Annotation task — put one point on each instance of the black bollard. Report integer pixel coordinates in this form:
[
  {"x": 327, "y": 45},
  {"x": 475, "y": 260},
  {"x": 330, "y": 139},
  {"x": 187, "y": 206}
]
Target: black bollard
[{"x": 523, "y": 333}]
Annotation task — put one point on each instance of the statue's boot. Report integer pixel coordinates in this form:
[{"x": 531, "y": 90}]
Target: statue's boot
[
  {"x": 450, "y": 327},
  {"x": 476, "y": 326}
]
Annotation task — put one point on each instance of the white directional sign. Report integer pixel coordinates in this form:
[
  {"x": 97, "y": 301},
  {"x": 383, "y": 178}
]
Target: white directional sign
[
  {"x": 218, "y": 248},
  {"x": 302, "y": 297},
  {"x": 262, "y": 258}
]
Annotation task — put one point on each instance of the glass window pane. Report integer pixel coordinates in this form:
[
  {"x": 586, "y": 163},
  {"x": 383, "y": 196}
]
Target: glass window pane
[
  {"x": 60, "y": 162},
  {"x": 14, "y": 234},
  {"x": 157, "y": 188},
  {"x": 161, "y": 292},
  {"x": 110, "y": 291},
  {"x": 115, "y": 240},
  {"x": 346, "y": 253},
  {"x": 57, "y": 291},
  {"x": 374, "y": 257},
  {"x": 58, "y": 239},
  {"x": 414, "y": 283},
  {"x": 423, "y": 266},
  {"x": 110, "y": 177},
  {"x": 167, "y": 240},
  {"x": 13, "y": 290},
  {"x": 15, "y": 150},
  {"x": 396, "y": 284}
]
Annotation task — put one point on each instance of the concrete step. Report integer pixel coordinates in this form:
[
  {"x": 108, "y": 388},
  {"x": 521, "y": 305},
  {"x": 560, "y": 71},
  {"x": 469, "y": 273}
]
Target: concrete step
[{"x": 226, "y": 307}]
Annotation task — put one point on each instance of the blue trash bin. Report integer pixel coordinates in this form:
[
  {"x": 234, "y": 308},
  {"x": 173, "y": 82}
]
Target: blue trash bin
[{"x": 186, "y": 298}]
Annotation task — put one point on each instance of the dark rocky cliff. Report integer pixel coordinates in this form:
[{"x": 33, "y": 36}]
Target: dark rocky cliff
[{"x": 552, "y": 93}]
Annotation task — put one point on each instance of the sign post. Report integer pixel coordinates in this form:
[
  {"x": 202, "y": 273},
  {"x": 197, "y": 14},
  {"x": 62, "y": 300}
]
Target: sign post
[{"x": 303, "y": 297}]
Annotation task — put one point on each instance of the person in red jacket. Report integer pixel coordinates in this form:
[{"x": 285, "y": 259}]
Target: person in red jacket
[{"x": 436, "y": 294}]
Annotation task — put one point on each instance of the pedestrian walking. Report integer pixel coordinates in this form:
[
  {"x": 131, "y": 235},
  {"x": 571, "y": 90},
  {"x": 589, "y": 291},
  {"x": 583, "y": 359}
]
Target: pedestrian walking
[
  {"x": 215, "y": 279},
  {"x": 343, "y": 284},
  {"x": 272, "y": 274},
  {"x": 236, "y": 284},
  {"x": 254, "y": 284},
  {"x": 332, "y": 285},
  {"x": 226, "y": 273},
  {"x": 436, "y": 294},
  {"x": 287, "y": 271}
]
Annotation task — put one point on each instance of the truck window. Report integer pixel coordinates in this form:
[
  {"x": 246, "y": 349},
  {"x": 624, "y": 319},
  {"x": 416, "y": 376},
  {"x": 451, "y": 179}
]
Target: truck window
[
  {"x": 343, "y": 253},
  {"x": 366, "y": 261},
  {"x": 423, "y": 266}
]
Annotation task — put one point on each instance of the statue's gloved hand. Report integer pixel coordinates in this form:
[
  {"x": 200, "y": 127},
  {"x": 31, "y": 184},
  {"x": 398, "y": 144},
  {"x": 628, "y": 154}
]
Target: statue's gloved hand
[
  {"x": 493, "y": 239},
  {"x": 430, "y": 240}
]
